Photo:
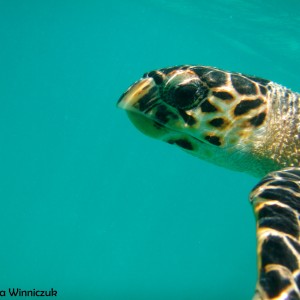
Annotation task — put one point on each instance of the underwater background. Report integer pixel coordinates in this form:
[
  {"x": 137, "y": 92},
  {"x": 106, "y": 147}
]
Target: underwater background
[{"x": 89, "y": 205}]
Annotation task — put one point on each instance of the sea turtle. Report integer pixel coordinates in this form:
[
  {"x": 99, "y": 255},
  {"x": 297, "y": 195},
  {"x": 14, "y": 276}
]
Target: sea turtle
[{"x": 243, "y": 123}]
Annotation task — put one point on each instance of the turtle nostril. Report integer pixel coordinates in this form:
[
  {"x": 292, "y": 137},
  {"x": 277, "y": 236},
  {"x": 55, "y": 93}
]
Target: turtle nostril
[{"x": 157, "y": 77}]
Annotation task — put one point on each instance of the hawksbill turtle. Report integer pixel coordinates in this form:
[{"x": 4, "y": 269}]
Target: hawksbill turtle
[{"x": 244, "y": 123}]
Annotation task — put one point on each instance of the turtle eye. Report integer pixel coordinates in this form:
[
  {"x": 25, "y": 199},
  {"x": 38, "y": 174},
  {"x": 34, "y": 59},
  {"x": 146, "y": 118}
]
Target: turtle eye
[
  {"x": 185, "y": 96},
  {"x": 183, "y": 90}
]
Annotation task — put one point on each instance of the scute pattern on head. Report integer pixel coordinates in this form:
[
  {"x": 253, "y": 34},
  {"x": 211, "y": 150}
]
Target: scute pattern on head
[
  {"x": 209, "y": 107},
  {"x": 227, "y": 117}
]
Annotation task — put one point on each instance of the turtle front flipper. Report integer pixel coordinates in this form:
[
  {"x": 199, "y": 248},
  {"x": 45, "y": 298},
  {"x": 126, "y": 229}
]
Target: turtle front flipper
[{"x": 276, "y": 203}]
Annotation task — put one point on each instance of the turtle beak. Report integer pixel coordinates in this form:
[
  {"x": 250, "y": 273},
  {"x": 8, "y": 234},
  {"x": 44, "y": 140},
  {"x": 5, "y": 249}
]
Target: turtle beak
[
  {"x": 138, "y": 101},
  {"x": 138, "y": 95}
]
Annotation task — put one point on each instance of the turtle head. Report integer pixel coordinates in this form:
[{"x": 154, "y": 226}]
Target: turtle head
[{"x": 215, "y": 115}]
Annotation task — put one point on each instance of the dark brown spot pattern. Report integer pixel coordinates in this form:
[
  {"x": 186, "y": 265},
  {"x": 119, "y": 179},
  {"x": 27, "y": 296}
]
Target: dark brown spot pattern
[
  {"x": 258, "y": 120},
  {"x": 242, "y": 85},
  {"x": 214, "y": 78},
  {"x": 217, "y": 122},
  {"x": 185, "y": 144},
  {"x": 263, "y": 90},
  {"x": 215, "y": 140},
  {"x": 246, "y": 105},
  {"x": 206, "y": 106},
  {"x": 223, "y": 95}
]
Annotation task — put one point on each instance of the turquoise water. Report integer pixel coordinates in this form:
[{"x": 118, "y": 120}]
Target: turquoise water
[{"x": 91, "y": 207}]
